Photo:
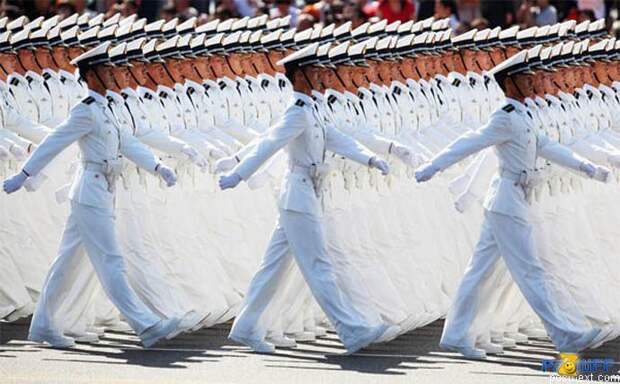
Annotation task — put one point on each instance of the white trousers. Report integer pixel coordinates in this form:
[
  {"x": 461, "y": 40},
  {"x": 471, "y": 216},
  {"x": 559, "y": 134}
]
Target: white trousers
[
  {"x": 299, "y": 236},
  {"x": 13, "y": 293},
  {"x": 513, "y": 240},
  {"x": 92, "y": 229}
]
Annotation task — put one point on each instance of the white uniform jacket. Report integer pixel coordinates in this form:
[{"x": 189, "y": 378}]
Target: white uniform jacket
[
  {"x": 517, "y": 144},
  {"x": 101, "y": 140},
  {"x": 306, "y": 139}
]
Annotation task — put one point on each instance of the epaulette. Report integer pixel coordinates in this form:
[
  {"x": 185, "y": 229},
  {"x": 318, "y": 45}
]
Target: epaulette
[
  {"x": 264, "y": 83},
  {"x": 110, "y": 99},
  {"x": 190, "y": 91},
  {"x": 300, "y": 103},
  {"x": 206, "y": 87},
  {"x": 89, "y": 100},
  {"x": 396, "y": 91},
  {"x": 331, "y": 99},
  {"x": 590, "y": 94},
  {"x": 125, "y": 95},
  {"x": 14, "y": 81},
  {"x": 472, "y": 81},
  {"x": 576, "y": 95},
  {"x": 46, "y": 76},
  {"x": 222, "y": 85},
  {"x": 508, "y": 108},
  {"x": 456, "y": 82},
  {"x": 148, "y": 96},
  {"x": 282, "y": 83},
  {"x": 163, "y": 94}
]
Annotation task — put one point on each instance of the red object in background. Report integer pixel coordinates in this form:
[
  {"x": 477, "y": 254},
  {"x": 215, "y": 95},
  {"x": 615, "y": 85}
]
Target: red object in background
[{"x": 407, "y": 12}]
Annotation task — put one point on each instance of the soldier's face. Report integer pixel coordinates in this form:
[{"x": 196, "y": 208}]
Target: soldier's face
[
  {"x": 139, "y": 72},
  {"x": 187, "y": 69},
  {"x": 274, "y": 57},
  {"x": 332, "y": 80},
  {"x": 124, "y": 78},
  {"x": 45, "y": 59},
  {"x": 234, "y": 60},
  {"x": 61, "y": 56},
  {"x": 75, "y": 52},
  {"x": 497, "y": 55},
  {"x": 548, "y": 84},
  {"x": 26, "y": 57},
  {"x": 538, "y": 84},
  {"x": 315, "y": 75},
  {"x": 10, "y": 63},
  {"x": 201, "y": 64},
  {"x": 525, "y": 84},
  {"x": 300, "y": 82},
  {"x": 106, "y": 75},
  {"x": 407, "y": 67},
  {"x": 511, "y": 50},
  {"x": 263, "y": 64},
  {"x": 613, "y": 69},
  {"x": 469, "y": 57},
  {"x": 158, "y": 74},
  {"x": 358, "y": 77},
  {"x": 220, "y": 67},
  {"x": 484, "y": 60},
  {"x": 600, "y": 69},
  {"x": 174, "y": 70}
]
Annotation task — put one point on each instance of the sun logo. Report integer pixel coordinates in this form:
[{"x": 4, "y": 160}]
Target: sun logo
[{"x": 568, "y": 365}]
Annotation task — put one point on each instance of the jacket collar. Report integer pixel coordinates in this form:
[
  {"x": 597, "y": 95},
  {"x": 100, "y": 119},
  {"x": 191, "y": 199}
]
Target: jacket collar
[
  {"x": 303, "y": 97},
  {"x": 116, "y": 97},
  {"x": 99, "y": 99},
  {"x": 130, "y": 92}
]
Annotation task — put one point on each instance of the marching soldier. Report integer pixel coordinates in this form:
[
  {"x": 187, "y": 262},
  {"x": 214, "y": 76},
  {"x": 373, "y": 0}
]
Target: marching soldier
[{"x": 103, "y": 143}]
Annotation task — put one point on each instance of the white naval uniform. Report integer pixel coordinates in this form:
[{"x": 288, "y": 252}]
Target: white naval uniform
[
  {"x": 299, "y": 232},
  {"x": 90, "y": 225},
  {"x": 506, "y": 231}
]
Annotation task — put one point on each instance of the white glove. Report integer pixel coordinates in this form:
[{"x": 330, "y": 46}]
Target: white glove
[
  {"x": 601, "y": 174},
  {"x": 194, "y": 157},
  {"x": 217, "y": 153},
  {"x": 229, "y": 181},
  {"x": 225, "y": 164},
  {"x": 380, "y": 164},
  {"x": 425, "y": 172},
  {"x": 588, "y": 168},
  {"x": 614, "y": 160},
  {"x": 18, "y": 152},
  {"x": 14, "y": 182},
  {"x": 167, "y": 174}
]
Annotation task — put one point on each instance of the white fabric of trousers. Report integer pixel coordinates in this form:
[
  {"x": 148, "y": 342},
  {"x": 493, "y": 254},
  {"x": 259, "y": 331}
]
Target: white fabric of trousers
[
  {"x": 512, "y": 239},
  {"x": 300, "y": 236},
  {"x": 92, "y": 229}
]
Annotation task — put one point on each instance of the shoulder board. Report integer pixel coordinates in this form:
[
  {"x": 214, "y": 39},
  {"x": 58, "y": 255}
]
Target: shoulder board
[
  {"x": 508, "y": 108},
  {"x": 163, "y": 94},
  {"x": 282, "y": 83},
  {"x": 300, "y": 103},
  {"x": 46, "y": 76},
  {"x": 14, "y": 81},
  {"x": 222, "y": 84},
  {"x": 396, "y": 91},
  {"x": 264, "y": 83},
  {"x": 331, "y": 99},
  {"x": 89, "y": 100},
  {"x": 190, "y": 91},
  {"x": 148, "y": 96},
  {"x": 456, "y": 82}
]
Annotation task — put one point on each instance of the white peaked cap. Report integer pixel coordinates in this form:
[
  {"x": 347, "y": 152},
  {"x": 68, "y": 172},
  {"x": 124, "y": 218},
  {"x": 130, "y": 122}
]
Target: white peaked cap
[
  {"x": 342, "y": 29},
  {"x": 339, "y": 49},
  {"x": 509, "y": 32},
  {"x": 208, "y": 27},
  {"x": 96, "y": 20},
  {"x": 114, "y": 19},
  {"x": 240, "y": 24},
  {"x": 198, "y": 40},
  {"x": 392, "y": 27},
  {"x": 128, "y": 20},
  {"x": 50, "y": 23},
  {"x": 187, "y": 25},
  {"x": 303, "y": 53},
  {"x": 225, "y": 25},
  {"x": 405, "y": 27},
  {"x": 285, "y": 21},
  {"x": 99, "y": 50},
  {"x": 512, "y": 62},
  {"x": 18, "y": 23},
  {"x": 405, "y": 41},
  {"x": 168, "y": 44},
  {"x": 582, "y": 27},
  {"x": 154, "y": 26}
]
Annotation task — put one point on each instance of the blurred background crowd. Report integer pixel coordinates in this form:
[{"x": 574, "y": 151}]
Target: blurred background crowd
[{"x": 463, "y": 14}]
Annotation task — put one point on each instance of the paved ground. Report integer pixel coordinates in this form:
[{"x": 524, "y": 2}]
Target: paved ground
[{"x": 208, "y": 357}]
